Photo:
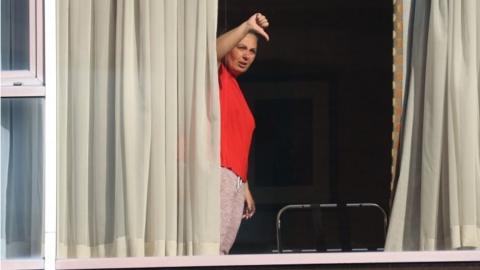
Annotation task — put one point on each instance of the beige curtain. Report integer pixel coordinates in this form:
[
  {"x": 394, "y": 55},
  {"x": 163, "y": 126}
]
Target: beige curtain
[
  {"x": 138, "y": 128},
  {"x": 437, "y": 203}
]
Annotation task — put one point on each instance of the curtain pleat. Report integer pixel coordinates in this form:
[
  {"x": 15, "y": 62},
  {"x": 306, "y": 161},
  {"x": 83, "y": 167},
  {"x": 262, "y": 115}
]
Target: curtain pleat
[
  {"x": 138, "y": 128},
  {"x": 436, "y": 205}
]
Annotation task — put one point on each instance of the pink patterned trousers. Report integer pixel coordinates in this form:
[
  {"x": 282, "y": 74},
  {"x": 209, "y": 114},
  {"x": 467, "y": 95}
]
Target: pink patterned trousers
[{"x": 232, "y": 200}]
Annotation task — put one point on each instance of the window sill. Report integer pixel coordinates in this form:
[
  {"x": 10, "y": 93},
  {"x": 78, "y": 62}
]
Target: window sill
[
  {"x": 22, "y": 264},
  {"x": 23, "y": 91},
  {"x": 274, "y": 259}
]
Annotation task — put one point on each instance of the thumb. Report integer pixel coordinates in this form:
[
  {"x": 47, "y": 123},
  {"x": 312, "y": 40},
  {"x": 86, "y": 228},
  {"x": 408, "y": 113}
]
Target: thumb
[{"x": 262, "y": 32}]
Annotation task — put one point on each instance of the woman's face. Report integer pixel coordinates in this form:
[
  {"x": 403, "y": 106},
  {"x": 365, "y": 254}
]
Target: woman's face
[{"x": 239, "y": 59}]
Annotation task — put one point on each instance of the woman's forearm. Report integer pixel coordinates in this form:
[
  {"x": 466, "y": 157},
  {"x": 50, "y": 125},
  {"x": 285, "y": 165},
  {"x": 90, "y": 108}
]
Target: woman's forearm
[
  {"x": 225, "y": 43},
  {"x": 229, "y": 40}
]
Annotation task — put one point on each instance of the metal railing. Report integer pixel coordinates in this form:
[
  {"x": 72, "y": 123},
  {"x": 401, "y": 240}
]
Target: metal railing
[{"x": 323, "y": 206}]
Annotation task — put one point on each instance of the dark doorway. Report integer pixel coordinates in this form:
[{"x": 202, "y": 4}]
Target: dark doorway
[{"x": 321, "y": 94}]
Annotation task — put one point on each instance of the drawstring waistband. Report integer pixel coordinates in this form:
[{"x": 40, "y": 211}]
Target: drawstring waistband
[{"x": 238, "y": 182}]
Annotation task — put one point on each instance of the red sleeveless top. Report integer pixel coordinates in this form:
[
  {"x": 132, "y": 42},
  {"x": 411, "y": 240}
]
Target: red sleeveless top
[{"x": 237, "y": 125}]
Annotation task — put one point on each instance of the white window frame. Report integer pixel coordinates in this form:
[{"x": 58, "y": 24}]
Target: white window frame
[
  {"x": 50, "y": 211},
  {"x": 29, "y": 83}
]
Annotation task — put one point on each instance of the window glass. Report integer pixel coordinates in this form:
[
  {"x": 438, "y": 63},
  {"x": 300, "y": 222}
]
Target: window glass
[
  {"x": 22, "y": 177},
  {"x": 15, "y": 34}
]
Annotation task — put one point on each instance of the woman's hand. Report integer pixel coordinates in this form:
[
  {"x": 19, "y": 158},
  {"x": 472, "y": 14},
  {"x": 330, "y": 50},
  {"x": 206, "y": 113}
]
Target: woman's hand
[
  {"x": 226, "y": 42},
  {"x": 249, "y": 208},
  {"x": 258, "y": 23}
]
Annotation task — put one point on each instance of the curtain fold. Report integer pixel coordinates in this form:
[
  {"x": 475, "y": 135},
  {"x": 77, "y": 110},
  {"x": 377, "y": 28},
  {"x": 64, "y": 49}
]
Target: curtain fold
[
  {"x": 436, "y": 204},
  {"x": 138, "y": 129}
]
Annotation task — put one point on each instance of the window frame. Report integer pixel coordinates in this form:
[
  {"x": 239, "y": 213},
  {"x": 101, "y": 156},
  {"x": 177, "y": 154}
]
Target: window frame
[
  {"x": 355, "y": 259},
  {"x": 31, "y": 82},
  {"x": 21, "y": 264}
]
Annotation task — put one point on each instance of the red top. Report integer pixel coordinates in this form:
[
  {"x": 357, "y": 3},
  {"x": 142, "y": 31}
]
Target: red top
[{"x": 237, "y": 125}]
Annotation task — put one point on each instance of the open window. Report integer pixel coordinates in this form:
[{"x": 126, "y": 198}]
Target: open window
[{"x": 321, "y": 93}]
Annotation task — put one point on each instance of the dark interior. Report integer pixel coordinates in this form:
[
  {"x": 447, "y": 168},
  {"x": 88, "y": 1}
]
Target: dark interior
[{"x": 321, "y": 94}]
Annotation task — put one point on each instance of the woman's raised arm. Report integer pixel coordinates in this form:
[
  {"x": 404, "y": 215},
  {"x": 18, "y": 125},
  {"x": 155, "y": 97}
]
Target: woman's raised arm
[{"x": 256, "y": 23}]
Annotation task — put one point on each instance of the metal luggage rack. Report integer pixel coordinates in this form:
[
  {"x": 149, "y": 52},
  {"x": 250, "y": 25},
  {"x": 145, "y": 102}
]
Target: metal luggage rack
[{"x": 323, "y": 206}]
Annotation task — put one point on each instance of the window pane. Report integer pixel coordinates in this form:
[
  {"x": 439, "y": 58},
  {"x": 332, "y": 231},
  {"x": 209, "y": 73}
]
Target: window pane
[
  {"x": 15, "y": 35},
  {"x": 22, "y": 170}
]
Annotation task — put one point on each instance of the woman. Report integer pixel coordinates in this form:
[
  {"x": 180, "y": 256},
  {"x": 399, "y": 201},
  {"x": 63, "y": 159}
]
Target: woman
[{"x": 236, "y": 51}]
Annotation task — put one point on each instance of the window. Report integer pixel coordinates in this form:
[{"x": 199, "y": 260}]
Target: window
[
  {"x": 22, "y": 48},
  {"x": 326, "y": 70},
  {"x": 22, "y": 130},
  {"x": 308, "y": 103},
  {"x": 302, "y": 105},
  {"x": 22, "y": 161},
  {"x": 166, "y": 262}
]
